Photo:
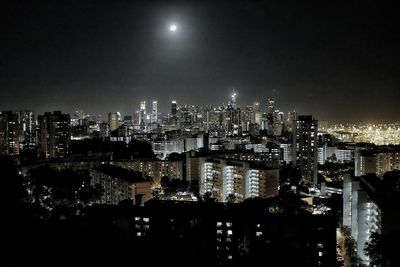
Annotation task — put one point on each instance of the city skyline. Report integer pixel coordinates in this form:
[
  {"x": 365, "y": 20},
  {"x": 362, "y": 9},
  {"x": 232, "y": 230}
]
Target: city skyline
[
  {"x": 336, "y": 63},
  {"x": 200, "y": 133}
]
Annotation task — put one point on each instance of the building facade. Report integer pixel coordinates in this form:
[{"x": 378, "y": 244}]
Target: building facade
[
  {"x": 229, "y": 180},
  {"x": 120, "y": 184},
  {"x": 9, "y": 134},
  {"x": 305, "y": 152},
  {"x": 54, "y": 135}
]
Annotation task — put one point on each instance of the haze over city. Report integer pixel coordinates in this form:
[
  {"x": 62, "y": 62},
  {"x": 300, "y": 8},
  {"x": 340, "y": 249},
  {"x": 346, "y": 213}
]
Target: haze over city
[{"x": 338, "y": 62}]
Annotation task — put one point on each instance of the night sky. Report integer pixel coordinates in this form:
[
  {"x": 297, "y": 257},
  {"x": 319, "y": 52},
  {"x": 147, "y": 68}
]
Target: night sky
[{"x": 337, "y": 61}]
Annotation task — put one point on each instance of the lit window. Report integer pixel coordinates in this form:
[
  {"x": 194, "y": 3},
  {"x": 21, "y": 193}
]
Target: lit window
[
  {"x": 258, "y": 233},
  {"x": 146, "y": 219},
  {"x": 229, "y": 232},
  {"x": 219, "y": 224},
  {"x": 320, "y": 253}
]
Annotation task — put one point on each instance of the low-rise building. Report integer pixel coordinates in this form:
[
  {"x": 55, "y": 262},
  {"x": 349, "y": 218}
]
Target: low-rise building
[
  {"x": 155, "y": 168},
  {"x": 120, "y": 184},
  {"x": 235, "y": 180}
]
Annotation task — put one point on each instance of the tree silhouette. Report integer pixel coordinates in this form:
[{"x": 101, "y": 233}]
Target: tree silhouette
[
  {"x": 231, "y": 198},
  {"x": 350, "y": 245},
  {"x": 383, "y": 249},
  {"x": 140, "y": 149}
]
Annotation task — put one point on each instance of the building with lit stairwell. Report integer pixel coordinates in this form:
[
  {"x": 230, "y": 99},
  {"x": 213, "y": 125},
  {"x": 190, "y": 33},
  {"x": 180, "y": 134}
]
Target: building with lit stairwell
[
  {"x": 369, "y": 207},
  {"x": 232, "y": 180}
]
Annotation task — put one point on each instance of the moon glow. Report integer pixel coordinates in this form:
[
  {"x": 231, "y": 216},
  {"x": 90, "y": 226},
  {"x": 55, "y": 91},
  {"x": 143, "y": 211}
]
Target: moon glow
[{"x": 173, "y": 28}]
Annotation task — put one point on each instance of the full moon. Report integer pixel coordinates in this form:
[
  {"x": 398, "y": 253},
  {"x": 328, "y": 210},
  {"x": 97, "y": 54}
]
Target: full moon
[{"x": 172, "y": 28}]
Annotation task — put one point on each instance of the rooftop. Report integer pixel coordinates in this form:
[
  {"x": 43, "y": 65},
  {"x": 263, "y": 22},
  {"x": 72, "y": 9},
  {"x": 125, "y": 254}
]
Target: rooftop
[{"x": 121, "y": 173}]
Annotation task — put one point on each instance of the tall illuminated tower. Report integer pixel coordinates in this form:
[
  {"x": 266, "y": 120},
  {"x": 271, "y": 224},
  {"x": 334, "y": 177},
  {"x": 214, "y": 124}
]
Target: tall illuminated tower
[
  {"x": 154, "y": 113},
  {"x": 270, "y": 115},
  {"x": 113, "y": 120},
  {"x": 257, "y": 114},
  {"x": 173, "y": 109},
  {"x": 233, "y": 101},
  {"x": 233, "y": 117},
  {"x": 142, "y": 112}
]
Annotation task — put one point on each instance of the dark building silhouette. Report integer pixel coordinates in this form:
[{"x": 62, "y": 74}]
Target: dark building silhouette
[
  {"x": 54, "y": 135},
  {"x": 213, "y": 234},
  {"x": 9, "y": 134}
]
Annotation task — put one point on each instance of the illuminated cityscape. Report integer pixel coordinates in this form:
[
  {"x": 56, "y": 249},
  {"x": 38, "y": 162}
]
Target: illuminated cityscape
[
  {"x": 200, "y": 133},
  {"x": 379, "y": 134}
]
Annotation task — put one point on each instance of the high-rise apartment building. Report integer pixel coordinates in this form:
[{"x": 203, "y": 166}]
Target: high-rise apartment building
[
  {"x": 305, "y": 152},
  {"x": 361, "y": 212},
  {"x": 54, "y": 135},
  {"x": 376, "y": 161},
  {"x": 9, "y": 134}
]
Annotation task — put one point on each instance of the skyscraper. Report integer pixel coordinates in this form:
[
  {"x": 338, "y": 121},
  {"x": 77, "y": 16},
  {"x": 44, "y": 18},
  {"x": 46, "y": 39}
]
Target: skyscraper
[
  {"x": 143, "y": 106},
  {"x": 233, "y": 118},
  {"x": 305, "y": 130},
  {"x": 154, "y": 113},
  {"x": 291, "y": 118},
  {"x": 54, "y": 134},
  {"x": 257, "y": 113},
  {"x": 113, "y": 120},
  {"x": 142, "y": 115},
  {"x": 248, "y": 117},
  {"x": 174, "y": 112},
  {"x": 278, "y": 123},
  {"x": 233, "y": 101},
  {"x": 270, "y": 116},
  {"x": 27, "y": 128},
  {"x": 173, "y": 109},
  {"x": 9, "y": 134}
]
